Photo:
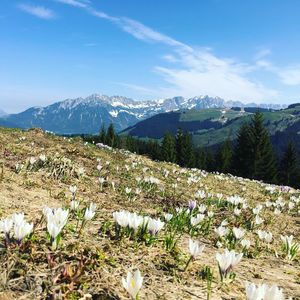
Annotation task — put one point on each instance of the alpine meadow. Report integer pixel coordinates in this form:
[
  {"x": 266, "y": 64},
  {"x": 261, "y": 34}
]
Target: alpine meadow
[{"x": 150, "y": 150}]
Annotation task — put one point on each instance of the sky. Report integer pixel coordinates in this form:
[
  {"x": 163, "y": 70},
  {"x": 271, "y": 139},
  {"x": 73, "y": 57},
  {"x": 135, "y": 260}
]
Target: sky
[{"x": 52, "y": 50}]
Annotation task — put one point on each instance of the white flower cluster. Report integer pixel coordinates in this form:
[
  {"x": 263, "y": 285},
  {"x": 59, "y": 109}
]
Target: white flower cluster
[
  {"x": 16, "y": 227},
  {"x": 134, "y": 221}
]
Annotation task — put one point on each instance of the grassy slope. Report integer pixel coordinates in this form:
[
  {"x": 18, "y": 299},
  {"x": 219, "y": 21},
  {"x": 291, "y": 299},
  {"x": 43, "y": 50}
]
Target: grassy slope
[
  {"x": 29, "y": 275},
  {"x": 211, "y": 127}
]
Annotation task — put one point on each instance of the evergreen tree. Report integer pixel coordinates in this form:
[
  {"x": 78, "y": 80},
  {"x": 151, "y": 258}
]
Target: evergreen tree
[
  {"x": 224, "y": 157},
  {"x": 288, "y": 171},
  {"x": 130, "y": 144},
  {"x": 110, "y": 136},
  {"x": 102, "y": 134},
  {"x": 184, "y": 149},
  {"x": 200, "y": 159},
  {"x": 179, "y": 147},
  {"x": 264, "y": 161},
  {"x": 168, "y": 149},
  {"x": 243, "y": 153},
  {"x": 188, "y": 150},
  {"x": 154, "y": 149},
  {"x": 210, "y": 161}
]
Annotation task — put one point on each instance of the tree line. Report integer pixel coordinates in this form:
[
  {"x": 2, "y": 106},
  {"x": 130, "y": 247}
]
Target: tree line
[{"x": 250, "y": 155}]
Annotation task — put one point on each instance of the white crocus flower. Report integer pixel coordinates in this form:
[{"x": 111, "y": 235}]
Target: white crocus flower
[
  {"x": 202, "y": 208},
  {"x": 133, "y": 284},
  {"x": 245, "y": 243},
  {"x": 18, "y": 218},
  {"x": 254, "y": 292},
  {"x": 53, "y": 229},
  {"x": 263, "y": 291},
  {"x": 73, "y": 189},
  {"x": 90, "y": 212},
  {"x": 74, "y": 205},
  {"x": 196, "y": 220},
  {"x": 224, "y": 223},
  {"x": 288, "y": 240},
  {"x": 273, "y": 293},
  {"x": 238, "y": 233},
  {"x": 42, "y": 157},
  {"x": 128, "y": 190},
  {"x": 258, "y": 220},
  {"x": 134, "y": 221},
  {"x": 227, "y": 260},
  {"x": 21, "y": 230},
  {"x": 6, "y": 226},
  {"x": 121, "y": 218},
  {"x": 168, "y": 217},
  {"x": 210, "y": 214},
  {"x": 277, "y": 211},
  {"x": 265, "y": 236},
  {"x": 154, "y": 226},
  {"x": 221, "y": 231},
  {"x": 32, "y": 160},
  {"x": 56, "y": 220},
  {"x": 237, "y": 211},
  {"x": 195, "y": 248}
]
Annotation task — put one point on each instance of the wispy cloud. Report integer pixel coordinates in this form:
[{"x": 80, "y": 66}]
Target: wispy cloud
[
  {"x": 201, "y": 72},
  {"x": 290, "y": 75},
  {"x": 75, "y": 3},
  {"x": 189, "y": 70},
  {"x": 38, "y": 11}
]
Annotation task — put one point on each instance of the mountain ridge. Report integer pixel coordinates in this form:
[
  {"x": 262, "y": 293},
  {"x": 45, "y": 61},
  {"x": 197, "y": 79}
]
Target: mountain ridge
[{"x": 86, "y": 115}]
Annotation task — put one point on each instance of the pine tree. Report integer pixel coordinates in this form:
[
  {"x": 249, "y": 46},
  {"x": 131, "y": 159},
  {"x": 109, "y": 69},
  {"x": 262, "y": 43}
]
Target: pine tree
[
  {"x": 179, "y": 147},
  {"x": 243, "y": 153},
  {"x": 210, "y": 161},
  {"x": 188, "y": 150},
  {"x": 110, "y": 136},
  {"x": 102, "y": 134},
  {"x": 288, "y": 171},
  {"x": 184, "y": 149},
  {"x": 224, "y": 157},
  {"x": 200, "y": 159},
  {"x": 264, "y": 161},
  {"x": 168, "y": 149}
]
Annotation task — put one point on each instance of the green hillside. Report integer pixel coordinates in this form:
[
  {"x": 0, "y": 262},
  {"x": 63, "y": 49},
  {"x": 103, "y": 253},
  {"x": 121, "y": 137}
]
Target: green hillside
[{"x": 210, "y": 127}]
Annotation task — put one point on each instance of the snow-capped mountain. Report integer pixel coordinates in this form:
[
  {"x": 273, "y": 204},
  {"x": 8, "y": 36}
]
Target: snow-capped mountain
[{"x": 86, "y": 115}]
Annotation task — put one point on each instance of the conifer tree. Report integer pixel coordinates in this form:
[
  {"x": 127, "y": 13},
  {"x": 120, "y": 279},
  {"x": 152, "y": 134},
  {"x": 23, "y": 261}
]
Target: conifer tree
[
  {"x": 179, "y": 147},
  {"x": 243, "y": 154},
  {"x": 184, "y": 149},
  {"x": 154, "y": 149},
  {"x": 102, "y": 134},
  {"x": 110, "y": 136},
  {"x": 200, "y": 159},
  {"x": 289, "y": 171},
  {"x": 168, "y": 149},
  {"x": 264, "y": 161},
  {"x": 224, "y": 157},
  {"x": 210, "y": 161},
  {"x": 188, "y": 150}
]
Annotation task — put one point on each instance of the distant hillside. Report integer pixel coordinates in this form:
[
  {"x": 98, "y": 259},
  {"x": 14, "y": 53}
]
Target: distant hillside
[
  {"x": 86, "y": 115},
  {"x": 210, "y": 127}
]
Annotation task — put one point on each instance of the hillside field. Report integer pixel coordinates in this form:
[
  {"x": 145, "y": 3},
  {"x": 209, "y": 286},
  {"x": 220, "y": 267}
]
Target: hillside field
[{"x": 94, "y": 254}]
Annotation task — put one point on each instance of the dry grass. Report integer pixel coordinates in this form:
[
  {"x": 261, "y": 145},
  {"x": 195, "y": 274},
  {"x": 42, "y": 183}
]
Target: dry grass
[{"x": 37, "y": 273}]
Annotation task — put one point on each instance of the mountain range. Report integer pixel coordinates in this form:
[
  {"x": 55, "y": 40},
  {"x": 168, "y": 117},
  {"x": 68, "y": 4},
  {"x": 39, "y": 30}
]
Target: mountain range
[{"x": 86, "y": 115}]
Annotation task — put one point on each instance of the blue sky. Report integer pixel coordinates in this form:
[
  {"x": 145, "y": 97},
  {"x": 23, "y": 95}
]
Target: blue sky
[{"x": 57, "y": 49}]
